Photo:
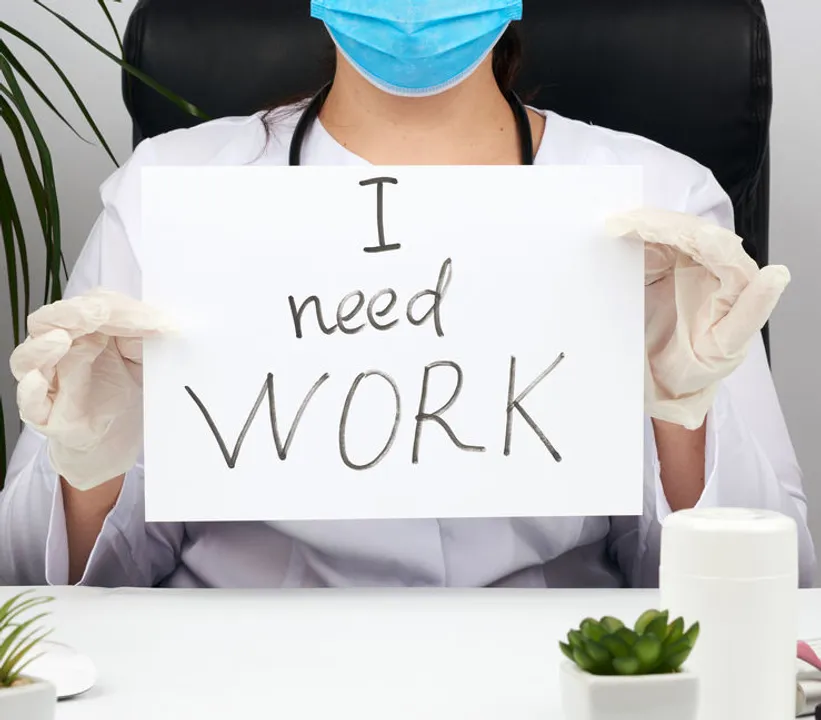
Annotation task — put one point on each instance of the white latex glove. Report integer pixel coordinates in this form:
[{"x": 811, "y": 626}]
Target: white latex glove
[
  {"x": 79, "y": 375},
  {"x": 705, "y": 301}
]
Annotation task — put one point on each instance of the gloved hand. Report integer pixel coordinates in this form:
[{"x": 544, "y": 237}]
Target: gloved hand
[
  {"x": 705, "y": 301},
  {"x": 79, "y": 377}
]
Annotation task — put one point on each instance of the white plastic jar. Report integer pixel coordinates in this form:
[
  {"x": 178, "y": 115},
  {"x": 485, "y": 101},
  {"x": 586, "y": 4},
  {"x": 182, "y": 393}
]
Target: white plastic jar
[{"x": 735, "y": 572}]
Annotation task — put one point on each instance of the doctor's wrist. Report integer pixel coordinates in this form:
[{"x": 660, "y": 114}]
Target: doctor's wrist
[
  {"x": 682, "y": 458},
  {"x": 85, "y": 513}
]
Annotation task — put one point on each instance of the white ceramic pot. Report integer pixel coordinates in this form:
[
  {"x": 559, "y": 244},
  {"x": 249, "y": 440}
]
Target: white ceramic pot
[
  {"x": 648, "y": 697},
  {"x": 34, "y": 701}
]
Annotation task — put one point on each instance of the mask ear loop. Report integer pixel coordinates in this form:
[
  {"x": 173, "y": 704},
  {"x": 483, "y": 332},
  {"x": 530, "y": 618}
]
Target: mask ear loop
[{"x": 311, "y": 113}]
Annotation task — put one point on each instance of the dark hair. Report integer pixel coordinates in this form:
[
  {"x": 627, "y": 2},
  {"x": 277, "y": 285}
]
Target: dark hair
[
  {"x": 507, "y": 58},
  {"x": 507, "y": 63}
]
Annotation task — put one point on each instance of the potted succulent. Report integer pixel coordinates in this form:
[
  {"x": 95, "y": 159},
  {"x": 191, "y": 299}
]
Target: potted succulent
[
  {"x": 618, "y": 673},
  {"x": 22, "y": 696}
]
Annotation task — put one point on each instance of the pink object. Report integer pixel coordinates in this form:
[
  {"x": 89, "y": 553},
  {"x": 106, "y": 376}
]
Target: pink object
[{"x": 808, "y": 655}]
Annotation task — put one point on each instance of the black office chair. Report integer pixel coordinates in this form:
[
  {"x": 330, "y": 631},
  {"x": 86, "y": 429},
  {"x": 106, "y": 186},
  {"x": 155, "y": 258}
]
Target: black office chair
[{"x": 693, "y": 75}]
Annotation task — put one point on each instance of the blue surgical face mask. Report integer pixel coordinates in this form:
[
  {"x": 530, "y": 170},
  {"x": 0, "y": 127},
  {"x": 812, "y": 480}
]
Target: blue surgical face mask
[{"x": 416, "y": 47}]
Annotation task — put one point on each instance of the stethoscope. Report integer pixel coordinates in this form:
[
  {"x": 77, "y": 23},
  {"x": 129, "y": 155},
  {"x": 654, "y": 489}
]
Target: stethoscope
[{"x": 312, "y": 110}]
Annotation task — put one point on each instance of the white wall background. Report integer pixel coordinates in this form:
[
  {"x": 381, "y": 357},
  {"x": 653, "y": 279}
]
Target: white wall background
[
  {"x": 796, "y": 199},
  {"x": 796, "y": 230}
]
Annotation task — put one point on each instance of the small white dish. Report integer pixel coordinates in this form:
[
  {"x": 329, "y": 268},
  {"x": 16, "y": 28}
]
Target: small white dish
[{"x": 71, "y": 672}]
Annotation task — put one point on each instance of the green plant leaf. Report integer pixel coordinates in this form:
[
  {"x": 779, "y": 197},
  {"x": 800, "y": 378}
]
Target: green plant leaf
[
  {"x": 626, "y": 665},
  {"x": 11, "y": 602},
  {"x": 9, "y": 247},
  {"x": 677, "y": 656},
  {"x": 6, "y": 52},
  {"x": 611, "y": 624},
  {"x": 8, "y": 643},
  {"x": 674, "y": 662},
  {"x": 658, "y": 626},
  {"x": 627, "y": 635},
  {"x": 597, "y": 653},
  {"x": 16, "y": 612},
  {"x": 11, "y": 669},
  {"x": 38, "y": 192},
  {"x": 18, "y": 671},
  {"x": 7, "y": 660},
  {"x": 8, "y": 207},
  {"x": 23, "y": 625},
  {"x": 130, "y": 69},
  {"x": 111, "y": 22},
  {"x": 692, "y": 634},
  {"x": 583, "y": 660},
  {"x": 576, "y": 639},
  {"x": 53, "y": 244},
  {"x": 644, "y": 620},
  {"x": 648, "y": 651},
  {"x": 567, "y": 650},
  {"x": 615, "y": 646},
  {"x": 19, "y": 607},
  {"x": 18, "y": 639},
  {"x": 8, "y": 204},
  {"x": 591, "y": 629},
  {"x": 13, "y": 665},
  {"x": 674, "y": 655},
  {"x": 675, "y": 631},
  {"x": 71, "y": 90}
]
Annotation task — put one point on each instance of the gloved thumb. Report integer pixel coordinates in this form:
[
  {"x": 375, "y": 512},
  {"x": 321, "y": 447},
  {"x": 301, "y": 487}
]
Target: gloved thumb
[{"x": 751, "y": 310}]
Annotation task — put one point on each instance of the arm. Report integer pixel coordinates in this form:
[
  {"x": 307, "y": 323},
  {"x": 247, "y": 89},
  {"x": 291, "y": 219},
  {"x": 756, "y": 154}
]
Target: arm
[
  {"x": 681, "y": 455},
  {"x": 741, "y": 457},
  {"x": 56, "y": 537},
  {"x": 49, "y": 531},
  {"x": 34, "y": 548},
  {"x": 85, "y": 514},
  {"x": 749, "y": 462}
]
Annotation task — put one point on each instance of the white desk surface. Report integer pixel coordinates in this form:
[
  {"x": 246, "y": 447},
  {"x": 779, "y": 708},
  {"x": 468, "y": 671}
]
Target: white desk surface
[{"x": 328, "y": 654}]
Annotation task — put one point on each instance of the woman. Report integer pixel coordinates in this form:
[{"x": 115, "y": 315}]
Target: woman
[{"x": 422, "y": 85}]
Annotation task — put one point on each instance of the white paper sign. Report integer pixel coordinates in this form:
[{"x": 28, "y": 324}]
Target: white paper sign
[{"x": 392, "y": 343}]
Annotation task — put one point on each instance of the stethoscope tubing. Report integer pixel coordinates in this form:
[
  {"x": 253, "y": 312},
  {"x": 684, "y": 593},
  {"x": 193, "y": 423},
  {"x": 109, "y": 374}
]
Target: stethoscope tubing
[{"x": 314, "y": 107}]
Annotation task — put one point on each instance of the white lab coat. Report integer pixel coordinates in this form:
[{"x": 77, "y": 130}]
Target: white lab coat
[{"x": 750, "y": 460}]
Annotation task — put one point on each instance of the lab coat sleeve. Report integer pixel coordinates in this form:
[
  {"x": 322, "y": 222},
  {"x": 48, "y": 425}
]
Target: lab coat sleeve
[
  {"x": 750, "y": 460},
  {"x": 33, "y": 542}
]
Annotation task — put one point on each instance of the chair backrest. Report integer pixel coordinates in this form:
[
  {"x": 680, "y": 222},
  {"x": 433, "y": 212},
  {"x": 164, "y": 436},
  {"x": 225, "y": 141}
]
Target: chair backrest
[{"x": 693, "y": 75}]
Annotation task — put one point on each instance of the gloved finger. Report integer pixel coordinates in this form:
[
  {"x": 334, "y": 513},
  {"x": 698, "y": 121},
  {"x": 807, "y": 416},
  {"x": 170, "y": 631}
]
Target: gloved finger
[
  {"x": 101, "y": 311},
  {"x": 751, "y": 310},
  {"x": 39, "y": 353},
  {"x": 717, "y": 249},
  {"x": 130, "y": 349},
  {"x": 653, "y": 225},
  {"x": 128, "y": 317},
  {"x": 721, "y": 252},
  {"x": 78, "y": 316},
  {"x": 659, "y": 262},
  {"x": 33, "y": 399},
  {"x": 84, "y": 351}
]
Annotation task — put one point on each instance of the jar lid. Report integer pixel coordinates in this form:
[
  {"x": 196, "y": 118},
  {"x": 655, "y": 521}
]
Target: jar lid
[{"x": 729, "y": 543}]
